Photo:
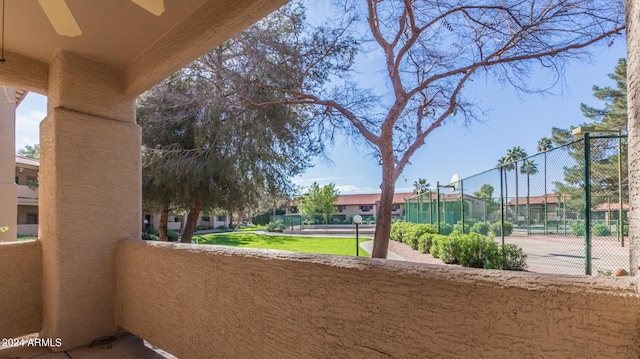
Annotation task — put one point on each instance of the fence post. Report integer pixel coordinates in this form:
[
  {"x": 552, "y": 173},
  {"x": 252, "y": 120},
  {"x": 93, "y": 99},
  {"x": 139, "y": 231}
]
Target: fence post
[
  {"x": 438, "y": 205},
  {"x": 587, "y": 203},
  {"x": 430, "y": 207},
  {"x": 462, "y": 204},
  {"x": 502, "y": 205},
  {"x": 620, "y": 221}
]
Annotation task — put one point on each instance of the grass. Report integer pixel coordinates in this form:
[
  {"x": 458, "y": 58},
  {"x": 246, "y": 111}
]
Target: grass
[{"x": 338, "y": 246}]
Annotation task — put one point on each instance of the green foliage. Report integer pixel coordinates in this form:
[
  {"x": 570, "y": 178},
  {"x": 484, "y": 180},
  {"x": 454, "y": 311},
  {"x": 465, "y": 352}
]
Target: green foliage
[
  {"x": 480, "y": 227},
  {"x": 496, "y": 228},
  {"x": 29, "y": 151},
  {"x": 222, "y": 227},
  {"x": 445, "y": 228},
  {"x": 476, "y": 250},
  {"x": 203, "y": 227},
  {"x": 578, "y": 228},
  {"x": 425, "y": 241},
  {"x": 319, "y": 200},
  {"x": 601, "y": 229},
  {"x": 458, "y": 227},
  {"x": 277, "y": 226},
  {"x": 449, "y": 249},
  {"x": 512, "y": 257},
  {"x": 147, "y": 236},
  {"x": 261, "y": 219},
  {"x": 172, "y": 235},
  {"x": 412, "y": 232}
]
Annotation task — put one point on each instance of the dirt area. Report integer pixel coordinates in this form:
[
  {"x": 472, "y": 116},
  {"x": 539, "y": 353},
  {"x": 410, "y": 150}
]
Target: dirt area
[{"x": 410, "y": 254}]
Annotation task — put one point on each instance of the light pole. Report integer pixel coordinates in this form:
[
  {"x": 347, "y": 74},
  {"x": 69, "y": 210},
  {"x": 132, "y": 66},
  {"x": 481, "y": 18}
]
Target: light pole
[{"x": 357, "y": 219}]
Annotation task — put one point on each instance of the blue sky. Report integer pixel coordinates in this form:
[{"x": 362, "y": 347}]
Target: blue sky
[{"x": 512, "y": 119}]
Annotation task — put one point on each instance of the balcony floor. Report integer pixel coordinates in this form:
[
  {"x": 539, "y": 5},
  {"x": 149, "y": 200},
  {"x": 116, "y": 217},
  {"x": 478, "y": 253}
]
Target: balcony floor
[{"x": 124, "y": 347}]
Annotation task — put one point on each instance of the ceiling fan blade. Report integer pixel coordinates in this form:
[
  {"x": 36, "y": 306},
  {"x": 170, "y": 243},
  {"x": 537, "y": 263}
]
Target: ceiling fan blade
[
  {"x": 60, "y": 17},
  {"x": 155, "y": 7}
]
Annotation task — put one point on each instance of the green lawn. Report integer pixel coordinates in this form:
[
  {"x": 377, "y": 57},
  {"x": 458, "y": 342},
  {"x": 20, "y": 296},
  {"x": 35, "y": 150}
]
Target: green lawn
[{"x": 339, "y": 246}]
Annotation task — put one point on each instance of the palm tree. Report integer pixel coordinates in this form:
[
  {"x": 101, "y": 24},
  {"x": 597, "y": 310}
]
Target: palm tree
[
  {"x": 528, "y": 168},
  {"x": 514, "y": 155},
  {"x": 545, "y": 145},
  {"x": 421, "y": 186},
  {"x": 506, "y": 166}
]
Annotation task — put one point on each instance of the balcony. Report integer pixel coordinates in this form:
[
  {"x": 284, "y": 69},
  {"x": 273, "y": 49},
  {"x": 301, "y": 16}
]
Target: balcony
[
  {"x": 209, "y": 301},
  {"x": 27, "y": 196}
]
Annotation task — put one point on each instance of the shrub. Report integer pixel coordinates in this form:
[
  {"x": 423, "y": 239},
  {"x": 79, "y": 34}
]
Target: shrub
[
  {"x": 512, "y": 257},
  {"x": 397, "y": 229},
  {"x": 449, "y": 249},
  {"x": 412, "y": 233},
  {"x": 445, "y": 228},
  {"x": 625, "y": 230},
  {"x": 232, "y": 226},
  {"x": 601, "y": 229},
  {"x": 277, "y": 226},
  {"x": 496, "y": 228},
  {"x": 480, "y": 227},
  {"x": 578, "y": 229},
  {"x": 425, "y": 241},
  {"x": 476, "y": 250},
  {"x": 222, "y": 227},
  {"x": 261, "y": 219},
  {"x": 436, "y": 242},
  {"x": 172, "y": 235},
  {"x": 150, "y": 236},
  {"x": 458, "y": 227},
  {"x": 203, "y": 227}
]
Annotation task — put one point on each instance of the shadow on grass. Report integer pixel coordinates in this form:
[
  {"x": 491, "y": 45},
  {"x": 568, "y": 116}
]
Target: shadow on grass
[{"x": 239, "y": 239}]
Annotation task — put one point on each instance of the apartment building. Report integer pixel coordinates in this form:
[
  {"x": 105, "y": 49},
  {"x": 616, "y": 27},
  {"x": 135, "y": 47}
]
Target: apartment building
[{"x": 27, "y": 183}]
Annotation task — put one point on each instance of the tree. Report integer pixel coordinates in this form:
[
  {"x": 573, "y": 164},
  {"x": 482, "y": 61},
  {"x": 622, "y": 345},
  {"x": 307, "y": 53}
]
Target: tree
[
  {"x": 506, "y": 166},
  {"x": 319, "y": 201},
  {"x": 604, "y": 163},
  {"x": 431, "y": 49},
  {"x": 30, "y": 151},
  {"x": 514, "y": 155},
  {"x": 529, "y": 168},
  {"x": 545, "y": 144},
  {"x": 421, "y": 186},
  {"x": 205, "y": 149},
  {"x": 486, "y": 193}
]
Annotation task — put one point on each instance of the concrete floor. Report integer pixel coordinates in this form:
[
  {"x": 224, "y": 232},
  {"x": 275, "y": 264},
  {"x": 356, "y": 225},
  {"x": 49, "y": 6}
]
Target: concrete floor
[{"x": 125, "y": 346}]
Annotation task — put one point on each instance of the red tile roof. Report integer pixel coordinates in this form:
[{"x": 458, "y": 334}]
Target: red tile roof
[{"x": 605, "y": 207}]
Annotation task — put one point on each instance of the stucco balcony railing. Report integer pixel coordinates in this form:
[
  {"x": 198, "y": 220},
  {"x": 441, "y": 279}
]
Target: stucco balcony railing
[
  {"x": 208, "y": 301},
  {"x": 27, "y": 196}
]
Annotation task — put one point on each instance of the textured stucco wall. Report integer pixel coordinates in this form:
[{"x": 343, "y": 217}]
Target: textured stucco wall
[
  {"x": 632, "y": 12},
  {"x": 20, "y": 288},
  {"x": 222, "y": 302}
]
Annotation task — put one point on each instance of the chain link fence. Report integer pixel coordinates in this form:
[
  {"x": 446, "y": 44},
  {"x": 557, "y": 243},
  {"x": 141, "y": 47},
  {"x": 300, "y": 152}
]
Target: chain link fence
[{"x": 538, "y": 203}]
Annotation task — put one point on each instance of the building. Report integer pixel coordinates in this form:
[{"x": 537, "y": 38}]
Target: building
[
  {"x": 555, "y": 207},
  {"x": 27, "y": 186}
]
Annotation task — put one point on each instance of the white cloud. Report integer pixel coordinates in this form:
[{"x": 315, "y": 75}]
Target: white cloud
[
  {"x": 351, "y": 189},
  {"x": 28, "y": 127}
]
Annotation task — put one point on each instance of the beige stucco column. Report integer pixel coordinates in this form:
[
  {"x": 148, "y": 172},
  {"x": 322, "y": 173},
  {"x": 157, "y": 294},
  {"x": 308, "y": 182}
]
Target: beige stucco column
[
  {"x": 633, "y": 93},
  {"x": 89, "y": 196},
  {"x": 8, "y": 188}
]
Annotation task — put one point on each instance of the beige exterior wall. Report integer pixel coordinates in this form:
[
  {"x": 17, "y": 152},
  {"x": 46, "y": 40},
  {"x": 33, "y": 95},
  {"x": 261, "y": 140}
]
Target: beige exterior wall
[
  {"x": 207, "y": 301},
  {"x": 8, "y": 190},
  {"x": 21, "y": 288},
  {"x": 24, "y": 212}
]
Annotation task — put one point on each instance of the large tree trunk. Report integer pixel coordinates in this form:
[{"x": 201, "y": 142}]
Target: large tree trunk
[
  {"x": 230, "y": 214},
  {"x": 164, "y": 223},
  {"x": 383, "y": 222},
  {"x": 633, "y": 83},
  {"x": 192, "y": 220}
]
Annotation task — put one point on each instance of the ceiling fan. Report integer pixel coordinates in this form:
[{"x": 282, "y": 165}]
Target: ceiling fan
[{"x": 64, "y": 23}]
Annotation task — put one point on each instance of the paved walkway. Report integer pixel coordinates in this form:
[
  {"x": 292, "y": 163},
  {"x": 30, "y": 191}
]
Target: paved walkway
[{"x": 368, "y": 246}]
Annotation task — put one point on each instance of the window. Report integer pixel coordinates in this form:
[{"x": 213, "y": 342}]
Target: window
[
  {"x": 32, "y": 218},
  {"x": 206, "y": 218},
  {"x": 341, "y": 208},
  {"x": 222, "y": 218},
  {"x": 294, "y": 209},
  {"x": 366, "y": 208},
  {"x": 395, "y": 207}
]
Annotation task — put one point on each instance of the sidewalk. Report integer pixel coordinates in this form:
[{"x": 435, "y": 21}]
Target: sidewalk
[{"x": 368, "y": 246}]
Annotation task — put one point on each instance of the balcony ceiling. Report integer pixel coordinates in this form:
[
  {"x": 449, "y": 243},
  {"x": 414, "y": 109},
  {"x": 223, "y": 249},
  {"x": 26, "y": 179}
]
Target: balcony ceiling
[
  {"x": 113, "y": 31},
  {"x": 119, "y": 33}
]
